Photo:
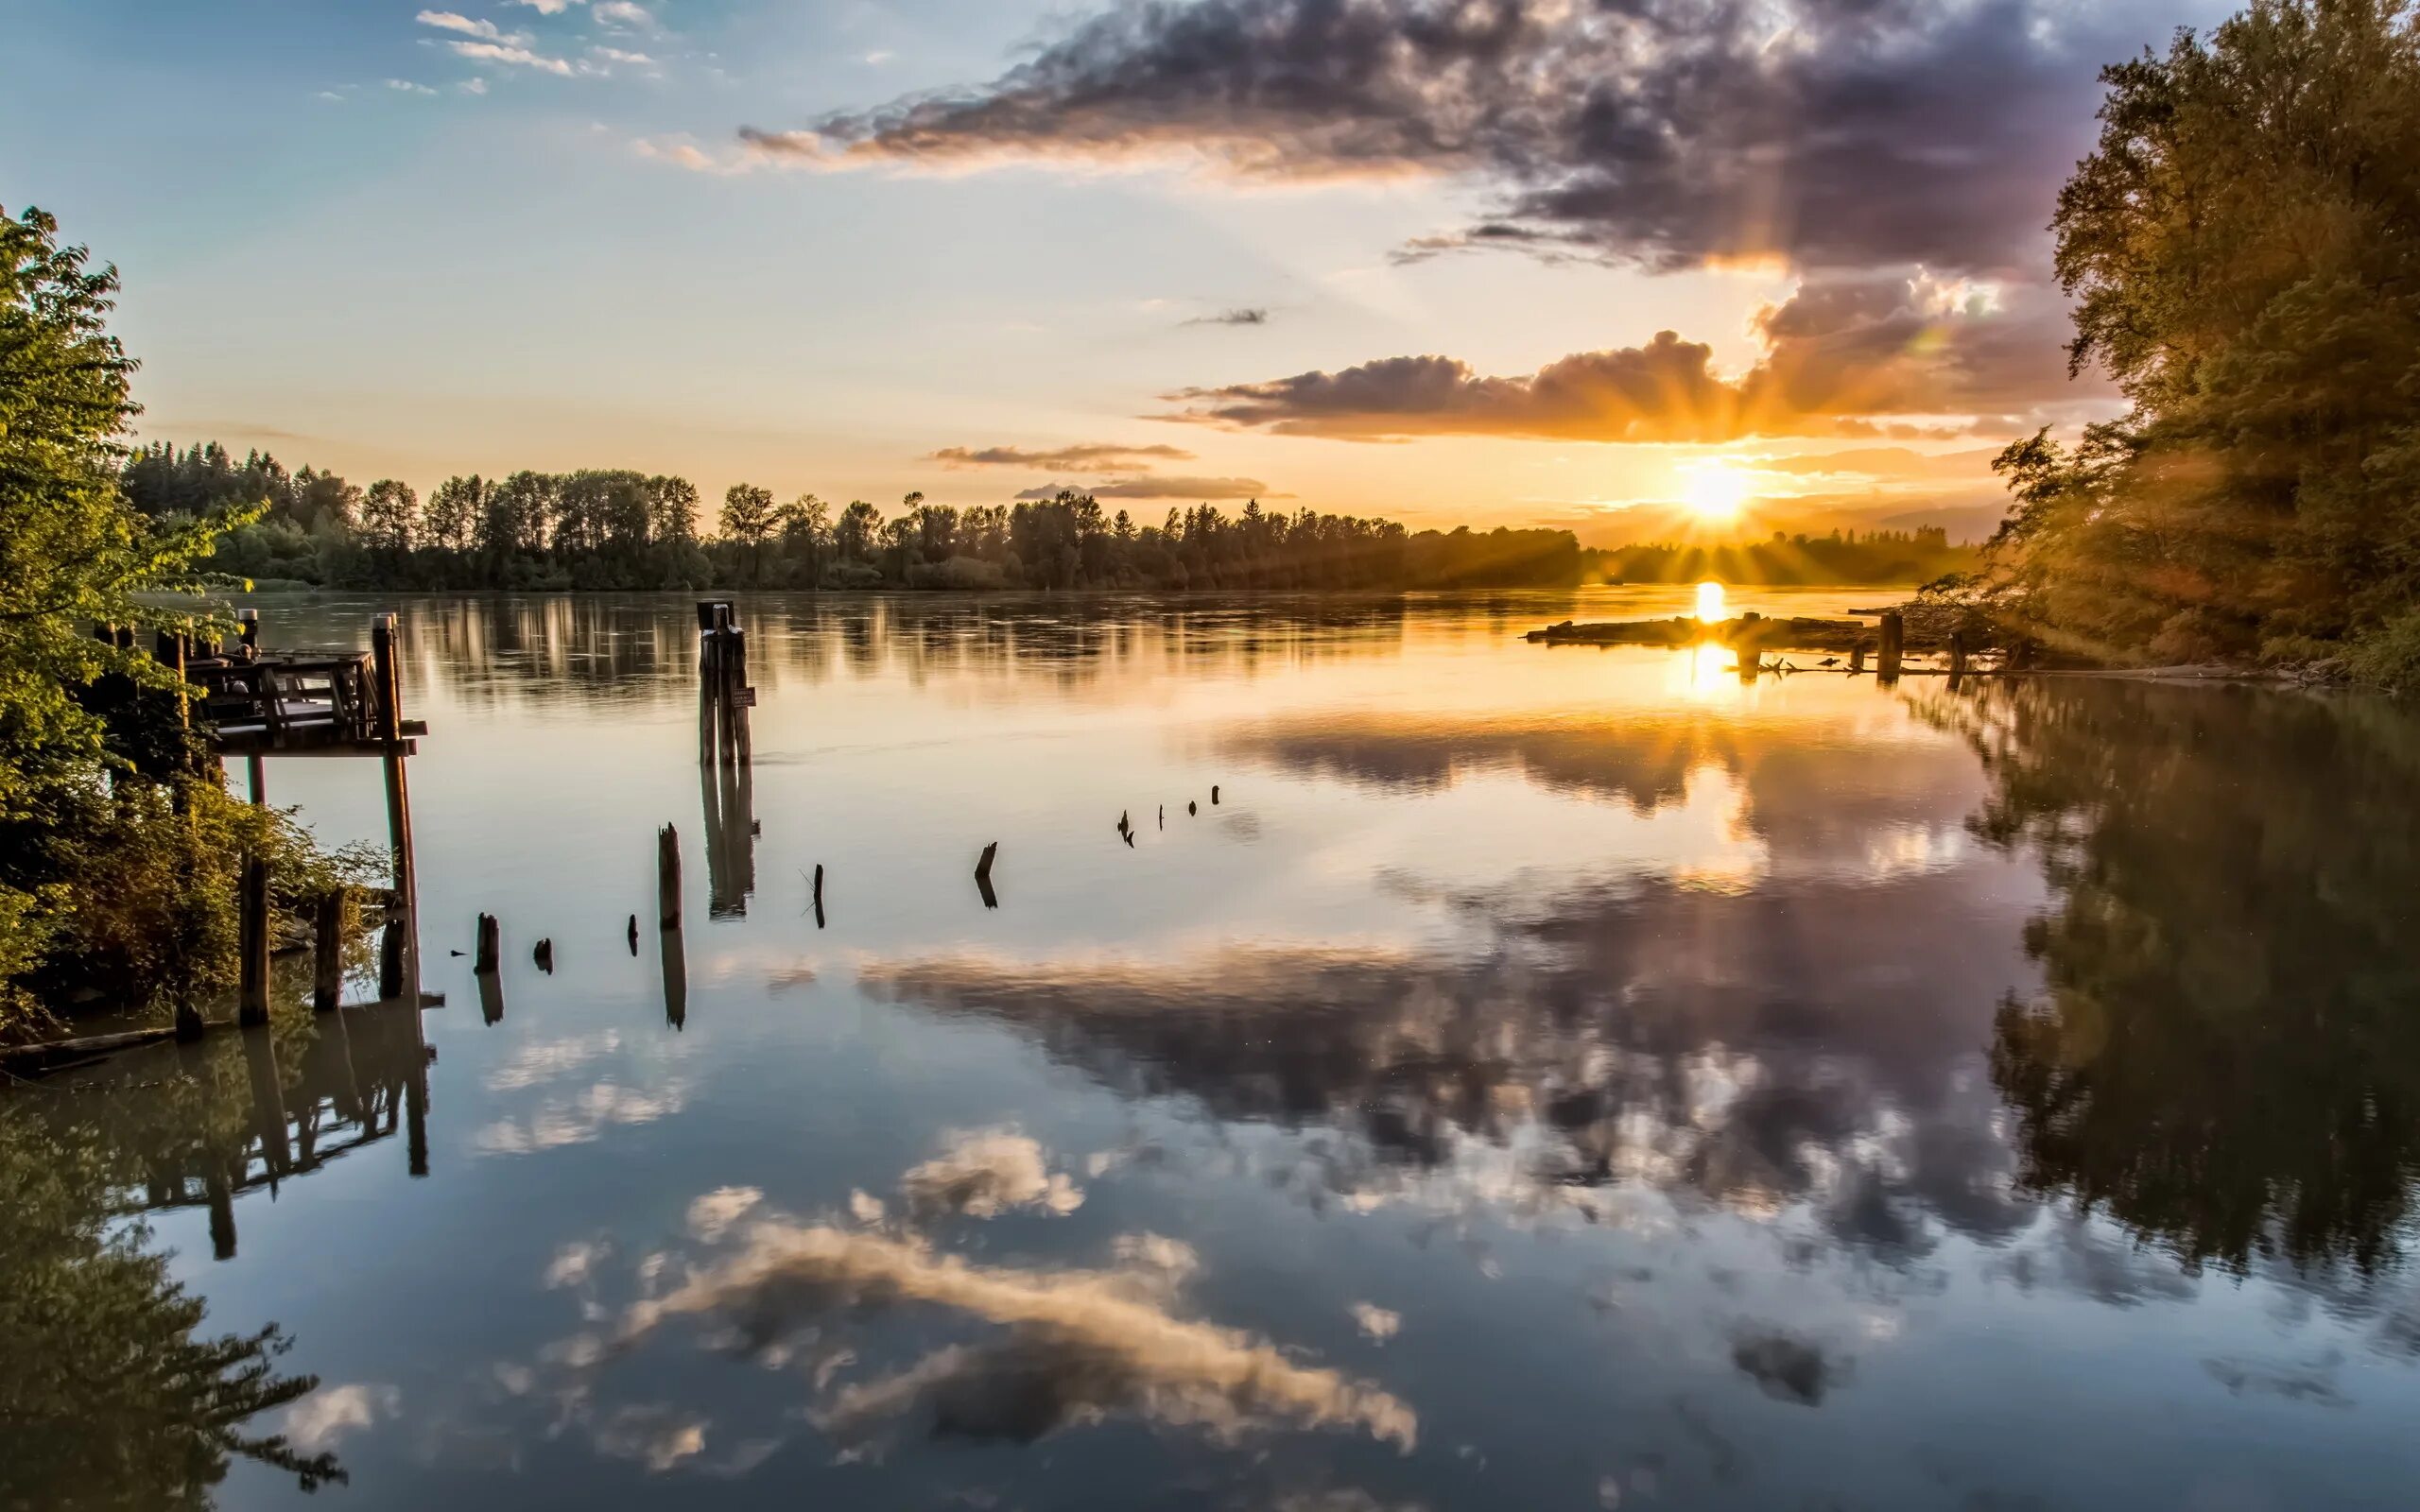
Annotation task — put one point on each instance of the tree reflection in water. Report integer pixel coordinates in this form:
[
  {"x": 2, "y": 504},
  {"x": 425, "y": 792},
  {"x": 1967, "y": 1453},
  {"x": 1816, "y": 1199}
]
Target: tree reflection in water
[
  {"x": 2225, "y": 1055},
  {"x": 110, "y": 1395}
]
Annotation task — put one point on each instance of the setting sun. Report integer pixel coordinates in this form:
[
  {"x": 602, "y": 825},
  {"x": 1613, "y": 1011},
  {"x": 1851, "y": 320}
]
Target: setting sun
[{"x": 1715, "y": 491}]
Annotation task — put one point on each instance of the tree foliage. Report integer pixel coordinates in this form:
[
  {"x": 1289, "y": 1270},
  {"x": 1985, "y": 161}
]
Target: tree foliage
[{"x": 2243, "y": 247}]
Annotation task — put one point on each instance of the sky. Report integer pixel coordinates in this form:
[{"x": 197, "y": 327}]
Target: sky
[{"x": 1618, "y": 266}]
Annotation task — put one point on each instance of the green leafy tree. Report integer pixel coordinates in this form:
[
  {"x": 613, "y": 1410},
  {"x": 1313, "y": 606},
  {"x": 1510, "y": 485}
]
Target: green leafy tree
[
  {"x": 2243, "y": 247},
  {"x": 672, "y": 509},
  {"x": 72, "y": 553},
  {"x": 389, "y": 517},
  {"x": 454, "y": 512},
  {"x": 853, "y": 534}
]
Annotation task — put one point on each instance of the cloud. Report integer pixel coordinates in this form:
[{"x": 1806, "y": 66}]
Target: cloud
[
  {"x": 1866, "y": 355},
  {"x": 1199, "y": 490},
  {"x": 404, "y": 86},
  {"x": 1835, "y": 134},
  {"x": 1375, "y": 1322},
  {"x": 473, "y": 86},
  {"x": 547, "y": 8},
  {"x": 455, "y": 20},
  {"x": 681, "y": 152},
  {"x": 581, "y": 1118},
  {"x": 1092, "y": 456},
  {"x": 318, "y": 1420},
  {"x": 517, "y": 57},
  {"x": 615, "y": 55},
  {"x": 985, "y": 1173},
  {"x": 1073, "y": 1346},
  {"x": 623, "y": 14},
  {"x": 656, "y": 1436},
  {"x": 1251, "y": 315},
  {"x": 711, "y": 1217}
]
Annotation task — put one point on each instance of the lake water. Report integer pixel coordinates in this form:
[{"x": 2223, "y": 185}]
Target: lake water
[{"x": 1542, "y": 1078}]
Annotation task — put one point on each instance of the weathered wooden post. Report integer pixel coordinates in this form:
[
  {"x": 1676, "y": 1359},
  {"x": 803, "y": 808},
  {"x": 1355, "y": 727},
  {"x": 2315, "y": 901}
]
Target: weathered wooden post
[
  {"x": 386, "y": 665},
  {"x": 248, "y": 628},
  {"x": 1856, "y": 659},
  {"x": 1895, "y": 642},
  {"x": 1956, "y": 655},
  {"x": 252, "y": 934},
  {"x": 491, "y": 946},
  {"x": 676, "y": 978},
  {"x": 738, "y": 696},
  {"x": 327, "y": 945},
  {"x": 983, "y": 875},
  {"x": 668, "y": 877}
]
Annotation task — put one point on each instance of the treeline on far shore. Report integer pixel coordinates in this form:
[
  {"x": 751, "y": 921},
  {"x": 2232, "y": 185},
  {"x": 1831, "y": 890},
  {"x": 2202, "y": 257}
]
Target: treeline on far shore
[{"x": 623, "y": 529}]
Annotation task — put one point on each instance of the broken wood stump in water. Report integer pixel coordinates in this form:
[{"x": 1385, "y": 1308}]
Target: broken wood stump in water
[
  {"x": 491, "y": 946},
  {"x": 1894, "y": 644},
  {"x": 983, "y": 875},
  {"x": 634, "y": 934},
  {"x": 542, "y": 955},
  {"x": 668, "y": 877}
]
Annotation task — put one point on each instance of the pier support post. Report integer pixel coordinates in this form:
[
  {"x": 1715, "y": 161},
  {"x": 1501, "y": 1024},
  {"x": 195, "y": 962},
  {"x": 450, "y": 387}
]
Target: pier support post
[
  {"x": 490, "y": 945},
  {"x": 1895, "y": 642},
  {"x": 253, "y": 935},
  {"x": 327, "y": 949},
  {"x": 1956, "y": 655},
  {"x": 387, "y": 667}
]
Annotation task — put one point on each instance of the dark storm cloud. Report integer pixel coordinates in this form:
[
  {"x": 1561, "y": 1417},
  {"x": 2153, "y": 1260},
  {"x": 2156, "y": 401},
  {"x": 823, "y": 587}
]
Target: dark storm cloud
[
  {"x": 1093, "y": 457},
  {"x": 1836, "y": 133},
  {"x": 1845, "y": 355},
  {"x": 1201, "y": 490}
]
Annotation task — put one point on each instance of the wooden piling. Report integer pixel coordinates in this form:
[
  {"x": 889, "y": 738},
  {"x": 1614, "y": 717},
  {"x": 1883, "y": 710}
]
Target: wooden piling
[
  {"x": 668, "y": 877},
  {"x": 491, "y": 946},
  {"x": 327, "y": 949},
  {"x": 387, "y": 661},
  {"x": 252, "y": 934},
  {"x": 737, "y": 692},
  {"x": 983, "y": 875},
  {"x": 1856, "y": 658},
  {"x": 248, "y": 628},
  {"x": 1895, "y": 642},
  {"x": 1958, "y": 653}
]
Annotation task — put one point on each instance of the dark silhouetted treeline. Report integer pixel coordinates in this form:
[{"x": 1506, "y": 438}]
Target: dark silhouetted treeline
[
  {"x": 1878, "y": 557},
  {"x": 605, "y": 529}
]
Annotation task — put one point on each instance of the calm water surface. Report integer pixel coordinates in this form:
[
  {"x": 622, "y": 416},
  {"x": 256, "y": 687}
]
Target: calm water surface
[{"x": 1543, "y": 1079}]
